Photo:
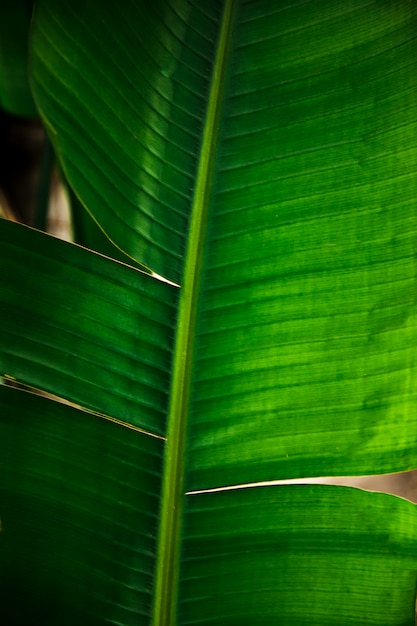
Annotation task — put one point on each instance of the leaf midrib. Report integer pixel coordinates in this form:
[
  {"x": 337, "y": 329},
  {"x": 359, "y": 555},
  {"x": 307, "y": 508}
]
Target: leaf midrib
[{"x": 167, "y": 565}]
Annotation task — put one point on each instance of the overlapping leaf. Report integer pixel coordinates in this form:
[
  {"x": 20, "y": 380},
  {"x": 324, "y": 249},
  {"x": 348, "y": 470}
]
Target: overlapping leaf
[
  {"x": 305, "y": 342},
  {"x": 315, "y": 554},
  {"x": 87, "y": 329},
  {"x": 132, "y": 111},
  {"x": 79, "y": 510},
  {"x": 295, "y": 352}
]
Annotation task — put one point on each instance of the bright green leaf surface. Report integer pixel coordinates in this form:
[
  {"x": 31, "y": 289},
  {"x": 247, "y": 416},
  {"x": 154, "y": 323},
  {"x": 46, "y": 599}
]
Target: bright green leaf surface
[
  {"x": 79, "y": 512},
  {"x": 15, "y": 94},
  {"x": 306, "y": 347},
  {"x": 87, "y": 329}
]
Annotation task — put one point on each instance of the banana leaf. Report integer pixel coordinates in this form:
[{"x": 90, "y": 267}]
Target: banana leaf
[
  {"x": 87, "y": 232},
  {"x": 261, "y": 156}
]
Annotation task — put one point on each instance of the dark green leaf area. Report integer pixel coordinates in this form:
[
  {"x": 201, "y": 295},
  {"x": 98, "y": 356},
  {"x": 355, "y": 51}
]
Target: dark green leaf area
[
  {"x": 123, "y": 93},
  {"x": 298, "y": 554},
  {"x": 15, "y": 94},
  {"x": 79, "y": 507},
  {"x": 83, "y": 327}
]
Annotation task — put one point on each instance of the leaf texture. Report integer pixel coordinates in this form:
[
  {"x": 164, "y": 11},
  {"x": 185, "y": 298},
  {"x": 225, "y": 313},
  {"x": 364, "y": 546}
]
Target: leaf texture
[
  {"x": 125, "y": 118},
  {"x": 304, "y": 347},
  {"x": 87, "y": 233},
  {"x": 305, "y": 351},
  {"x": 79, "y": 512},
  {"x": 315, "y": 554},
  {"x": 82, "y": 327},
  {"x": 286, "y": 207}
]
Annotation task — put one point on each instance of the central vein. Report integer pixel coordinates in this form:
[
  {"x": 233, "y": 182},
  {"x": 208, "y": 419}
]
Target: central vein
[{"x": 166, "y": 583}]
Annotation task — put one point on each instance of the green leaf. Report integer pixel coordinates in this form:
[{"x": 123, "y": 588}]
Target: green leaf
[
  {"x": 79, "y": 510},
  {"x": 87, "y": 329},
  {"x": 265, "y": 154},
  {"x": 131, "y": 112},
  {"x": 299, "y": 270},
  {"x": 15, "y": 94},
  {"x": 87, "y": 233},
  {"x": 305, "y": 554},
  {"x": 49, "y": 525}
]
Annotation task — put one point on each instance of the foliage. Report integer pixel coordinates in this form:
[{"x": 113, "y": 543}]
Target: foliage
[{"x": 253, "y": 163}]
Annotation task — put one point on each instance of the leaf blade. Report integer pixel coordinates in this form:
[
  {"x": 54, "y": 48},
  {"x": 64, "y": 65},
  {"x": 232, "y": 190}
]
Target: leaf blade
[
  {"x": 139, "y": 146},
  {"x": 79, "y": 514},
  {"x": 306, "y": 343},
  {"x": 295, "y": 554},
  {"x": 75, "y": 323}
]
